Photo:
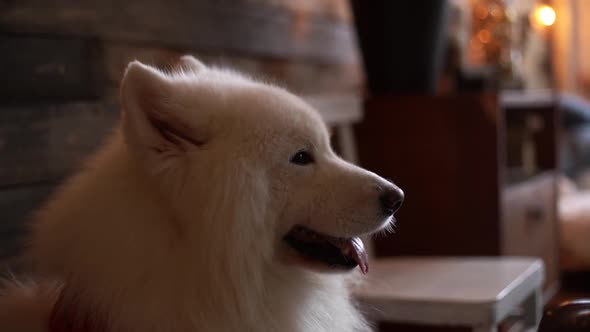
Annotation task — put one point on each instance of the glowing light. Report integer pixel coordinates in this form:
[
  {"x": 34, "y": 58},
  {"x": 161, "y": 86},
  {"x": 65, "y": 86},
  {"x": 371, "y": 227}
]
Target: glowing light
[
  {"x": 545, "y": 15},
  {"x": 484, "y": 36},
  {"x": 481, "y": 12}
]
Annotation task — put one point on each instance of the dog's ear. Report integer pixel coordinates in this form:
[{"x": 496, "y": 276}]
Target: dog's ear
[
  {"x": 190, "y": 63},
  {"x": 152, "y": 115}
]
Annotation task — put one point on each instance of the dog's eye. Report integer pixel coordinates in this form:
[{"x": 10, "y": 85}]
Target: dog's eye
[{"x": 302, "y": 158}]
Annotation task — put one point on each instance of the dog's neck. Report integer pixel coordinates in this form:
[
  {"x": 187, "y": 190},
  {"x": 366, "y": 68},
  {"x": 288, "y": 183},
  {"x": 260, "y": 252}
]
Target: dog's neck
[
  {"x": 70, "y": 316},
  {"x": 194, "y": 307},
  {"x": 291, "y": 307},
  {"x": 143, "y": 279}
]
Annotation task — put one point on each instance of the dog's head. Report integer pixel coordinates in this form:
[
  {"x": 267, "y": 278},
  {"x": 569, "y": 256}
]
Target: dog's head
[{"x": 249, "y": 166}]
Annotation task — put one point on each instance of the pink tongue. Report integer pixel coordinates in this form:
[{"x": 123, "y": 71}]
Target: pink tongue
[{"x": 356, "y": 249}]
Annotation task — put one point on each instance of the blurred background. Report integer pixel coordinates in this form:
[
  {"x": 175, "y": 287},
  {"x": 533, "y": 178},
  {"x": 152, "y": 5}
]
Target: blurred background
[{"x": 478, "y": 109}]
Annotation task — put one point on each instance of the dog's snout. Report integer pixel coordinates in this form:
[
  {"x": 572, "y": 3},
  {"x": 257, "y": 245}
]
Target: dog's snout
[{"x": 391, "y": 200}]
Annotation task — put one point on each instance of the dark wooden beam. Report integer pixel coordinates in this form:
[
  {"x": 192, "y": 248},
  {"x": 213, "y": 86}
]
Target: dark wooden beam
[{"x": 230, "y": 26}]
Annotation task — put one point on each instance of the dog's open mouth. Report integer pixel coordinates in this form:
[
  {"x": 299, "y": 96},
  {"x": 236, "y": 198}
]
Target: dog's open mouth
[{"x": 336, "y": 252}]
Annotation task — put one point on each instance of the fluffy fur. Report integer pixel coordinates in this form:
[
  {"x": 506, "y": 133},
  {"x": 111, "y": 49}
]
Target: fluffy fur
[{"x": 177, "y": 223}]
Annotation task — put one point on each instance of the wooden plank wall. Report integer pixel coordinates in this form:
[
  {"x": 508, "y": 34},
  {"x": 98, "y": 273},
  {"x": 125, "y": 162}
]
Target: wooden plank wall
[
  {"x": 61, "y": 63},
  {"x": 41, "y": 144},
  {"x": 227, "y": 26}
]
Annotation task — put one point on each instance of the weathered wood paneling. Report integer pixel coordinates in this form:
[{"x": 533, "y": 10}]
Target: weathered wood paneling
[
  {"x": 298, "y": 76},
  {"x": 17, "y": 205},
  {"x": 53, "y": 69},
  {"x": 333, "y": 9},
  {"x": 45, "y": 68},
  {"x": 227, "y": 26},
  {"x": 41, "y": 143}
]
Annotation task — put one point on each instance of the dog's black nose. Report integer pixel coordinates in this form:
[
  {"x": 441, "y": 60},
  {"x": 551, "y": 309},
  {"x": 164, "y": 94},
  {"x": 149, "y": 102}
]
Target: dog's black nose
[{"x": 391, "y": 200}]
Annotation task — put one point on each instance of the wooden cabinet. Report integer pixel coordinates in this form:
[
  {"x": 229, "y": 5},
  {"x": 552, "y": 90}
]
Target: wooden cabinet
[{"x": 466, "y": 194}]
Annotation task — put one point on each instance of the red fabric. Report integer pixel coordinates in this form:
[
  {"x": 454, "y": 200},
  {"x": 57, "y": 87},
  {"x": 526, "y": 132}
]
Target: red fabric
[{"x": 67, "y": 316}]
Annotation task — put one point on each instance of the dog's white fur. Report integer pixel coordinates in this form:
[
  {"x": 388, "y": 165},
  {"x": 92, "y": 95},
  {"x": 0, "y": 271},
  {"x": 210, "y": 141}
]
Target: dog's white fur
[{"x": 172, "y": 233}]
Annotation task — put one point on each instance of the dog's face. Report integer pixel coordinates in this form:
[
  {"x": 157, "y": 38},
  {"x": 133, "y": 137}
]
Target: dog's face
[{"x": 251, "y": 165}]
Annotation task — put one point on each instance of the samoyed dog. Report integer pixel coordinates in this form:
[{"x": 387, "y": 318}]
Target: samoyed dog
[{"x": 217, "y": 205}]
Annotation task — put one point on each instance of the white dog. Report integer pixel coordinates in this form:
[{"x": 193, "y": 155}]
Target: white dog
[{"x": 217, "y": 206}]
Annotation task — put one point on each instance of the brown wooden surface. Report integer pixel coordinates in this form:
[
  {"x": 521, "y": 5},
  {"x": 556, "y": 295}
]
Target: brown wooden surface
[
  {"x": 52, "y": 69},
  {"x": 41, "y": 143},
  {"x": 227, "y": 26},
  {"x": 444, "y": 153},
  {"x": 17, "y": 205},
  {"x": 45, "y": 68},
  {"x": 302, "y": 77}
]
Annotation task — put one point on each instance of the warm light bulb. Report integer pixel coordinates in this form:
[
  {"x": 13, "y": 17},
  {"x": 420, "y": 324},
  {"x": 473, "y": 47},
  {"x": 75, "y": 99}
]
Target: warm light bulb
[{"x": 545, "y": 15}]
